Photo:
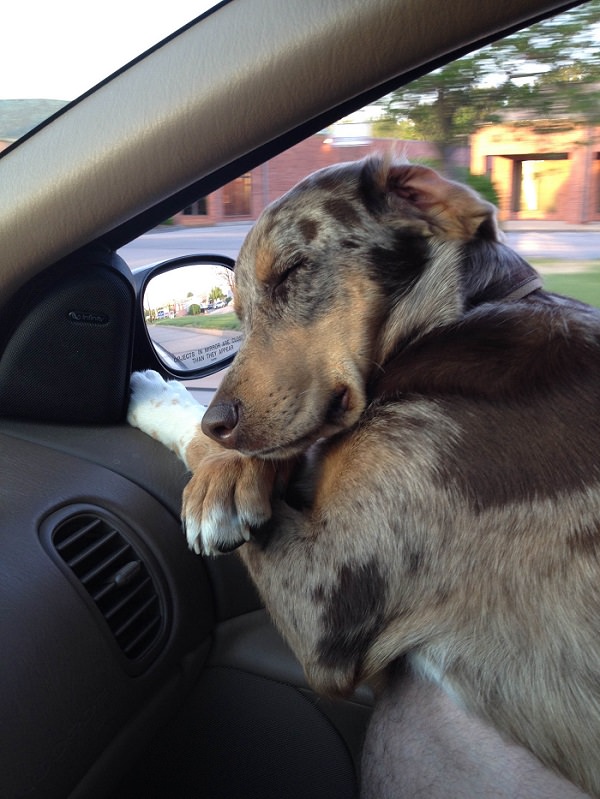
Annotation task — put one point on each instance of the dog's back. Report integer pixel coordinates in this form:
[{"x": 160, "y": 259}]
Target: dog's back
[{"x": 505, "y": 547}]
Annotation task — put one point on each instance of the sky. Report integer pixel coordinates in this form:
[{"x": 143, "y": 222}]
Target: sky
[
  {"x": 176, "y": 285},
  {"x": 58, "y": 49}
]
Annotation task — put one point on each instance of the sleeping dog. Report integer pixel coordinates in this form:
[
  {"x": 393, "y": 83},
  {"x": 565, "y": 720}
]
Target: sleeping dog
[{"x": 407, "y": 446}]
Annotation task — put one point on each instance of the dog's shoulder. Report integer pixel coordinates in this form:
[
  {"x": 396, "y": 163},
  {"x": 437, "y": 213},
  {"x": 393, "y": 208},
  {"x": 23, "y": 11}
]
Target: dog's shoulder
[
  {"x": 501, "y": 351},
  {"x": 502, "y": 405}
]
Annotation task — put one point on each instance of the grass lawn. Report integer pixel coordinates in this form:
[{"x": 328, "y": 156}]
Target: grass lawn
[
  {"x": 213, "y": 321},
  {"x": 583, "y": 285}
]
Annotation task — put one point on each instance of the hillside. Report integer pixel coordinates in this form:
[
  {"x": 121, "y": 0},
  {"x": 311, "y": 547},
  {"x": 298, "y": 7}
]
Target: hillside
[{"x": 19, "y": 116}]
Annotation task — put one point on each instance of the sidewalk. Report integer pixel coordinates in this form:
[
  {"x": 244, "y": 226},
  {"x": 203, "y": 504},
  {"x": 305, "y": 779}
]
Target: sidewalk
[
  {"x": 519, "y": 226},
  {"x": 529, "y": 225}
]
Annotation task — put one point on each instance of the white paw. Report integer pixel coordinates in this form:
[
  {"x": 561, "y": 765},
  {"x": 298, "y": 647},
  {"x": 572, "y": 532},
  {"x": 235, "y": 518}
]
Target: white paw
[
  {"x": 226, "y": 498},
  {"x": 165, "y": 410},
  {"x": 218, "y": 533}
]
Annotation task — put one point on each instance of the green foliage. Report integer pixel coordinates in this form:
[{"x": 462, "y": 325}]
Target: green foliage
[
  {"x": 216, "y": 293},
  {"x": 547, "y": 71},
  {"x": 214, "y": 321},
  {"x": 194, "y": 309},
  {"x": 391, "y": 127},
  {"x": 481, "y": 183},
  {"x": 556, "y": 65},
  {"x": 446, "y": 105}
]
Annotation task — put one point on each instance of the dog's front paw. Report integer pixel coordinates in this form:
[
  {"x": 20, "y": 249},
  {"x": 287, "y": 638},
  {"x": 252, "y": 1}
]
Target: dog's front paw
[
  {"x": 227, "y": 496},
  {"x": 165, "y": 410}
]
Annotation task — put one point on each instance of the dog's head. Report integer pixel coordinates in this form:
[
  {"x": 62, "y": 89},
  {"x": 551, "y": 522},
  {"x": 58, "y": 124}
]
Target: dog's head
[{"x": 353, "y": 260}]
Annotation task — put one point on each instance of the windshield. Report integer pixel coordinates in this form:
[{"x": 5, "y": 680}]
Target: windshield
[{"x": 51, "y": 53}]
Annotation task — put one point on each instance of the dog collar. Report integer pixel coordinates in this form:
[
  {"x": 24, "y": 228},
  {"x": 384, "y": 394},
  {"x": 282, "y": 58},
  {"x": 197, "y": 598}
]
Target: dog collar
[
  {"x": 523, "y": 289},
  {"x": 505, "y": 291},
  {"x": 521, "y": 280}
]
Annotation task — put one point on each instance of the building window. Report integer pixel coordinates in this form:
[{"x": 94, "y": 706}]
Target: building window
[
  {"x": 196, "y": 209},
  {"x": 237, "y": 197}
]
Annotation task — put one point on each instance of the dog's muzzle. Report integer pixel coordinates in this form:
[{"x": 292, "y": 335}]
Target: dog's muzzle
[{"x": 224, "y": 422}]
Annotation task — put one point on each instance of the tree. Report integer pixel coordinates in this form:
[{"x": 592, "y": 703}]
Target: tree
[
  {"x": 446, "y": 105},
  {"x": 228, "y": 277},
  {"x": 216, "y": 293},
  {"x": 548, "y": 71}
]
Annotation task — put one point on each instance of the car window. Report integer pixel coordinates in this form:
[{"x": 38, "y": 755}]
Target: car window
[
  {"x": 519, "y": 120},
  {"x": 51, "y": 53}
]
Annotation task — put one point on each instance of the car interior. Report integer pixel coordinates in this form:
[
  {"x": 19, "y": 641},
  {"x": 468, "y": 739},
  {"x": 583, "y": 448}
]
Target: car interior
[{"x": 131, "y": 666}]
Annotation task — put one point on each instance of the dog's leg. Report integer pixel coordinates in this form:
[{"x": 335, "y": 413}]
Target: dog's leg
[
  {"x": 237, "y": 489},
  {"x": 235, "y": 492},
  {"x": 382, "y": 563},
  {"x": 419, "y": 743},
  {"x": 165, "y": 411},
  {"x": 321, "y": 570}
]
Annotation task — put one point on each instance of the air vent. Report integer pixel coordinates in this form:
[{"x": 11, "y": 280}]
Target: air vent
[{"x": 116, "y": 578}]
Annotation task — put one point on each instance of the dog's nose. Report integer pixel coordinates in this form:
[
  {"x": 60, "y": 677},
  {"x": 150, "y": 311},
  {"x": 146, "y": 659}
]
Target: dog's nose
[{"x": 220, "y": 422}]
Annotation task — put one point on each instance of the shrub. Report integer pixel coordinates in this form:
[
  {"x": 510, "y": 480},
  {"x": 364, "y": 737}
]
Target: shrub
[{"x": 482, "y": 185}]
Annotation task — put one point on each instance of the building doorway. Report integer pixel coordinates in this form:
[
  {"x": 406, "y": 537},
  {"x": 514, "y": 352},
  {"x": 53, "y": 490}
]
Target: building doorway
[{"x": 537, "y": 181}]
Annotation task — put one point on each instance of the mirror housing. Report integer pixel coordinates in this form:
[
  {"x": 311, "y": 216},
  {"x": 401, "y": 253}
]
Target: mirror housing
[{"x": 186, "y": 325}]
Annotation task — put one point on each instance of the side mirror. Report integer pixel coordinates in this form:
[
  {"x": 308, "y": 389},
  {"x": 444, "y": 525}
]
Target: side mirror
[{"x": 187, "y": 308}]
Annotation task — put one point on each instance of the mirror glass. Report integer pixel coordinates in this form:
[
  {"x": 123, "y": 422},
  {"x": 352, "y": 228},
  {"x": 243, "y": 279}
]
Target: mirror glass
[{"x": 190, "y": 319}]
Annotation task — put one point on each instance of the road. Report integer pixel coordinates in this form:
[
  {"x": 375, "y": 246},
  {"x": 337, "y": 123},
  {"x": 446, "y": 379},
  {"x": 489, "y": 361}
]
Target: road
[
  {"x": 165, "y": 243},
  {"x": 559, "y": 245},
  {"x": 192, "y": 348}
]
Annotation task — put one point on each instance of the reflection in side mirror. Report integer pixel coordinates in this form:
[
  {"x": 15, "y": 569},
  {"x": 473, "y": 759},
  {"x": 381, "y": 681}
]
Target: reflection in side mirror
[{"x": 188, "y": 310}]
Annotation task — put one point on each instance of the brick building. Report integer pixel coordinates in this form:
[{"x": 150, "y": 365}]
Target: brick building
[
  {"x": 243, "y": 199},
  {"x": 549, "y": 172}
]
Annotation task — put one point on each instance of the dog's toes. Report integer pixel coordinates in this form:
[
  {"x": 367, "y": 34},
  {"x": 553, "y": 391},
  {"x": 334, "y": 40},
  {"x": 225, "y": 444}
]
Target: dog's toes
[
  {"x": 226, "y": 498},
  {"x": 192, "y": 534},
  {"x": 213, "y": 531}
]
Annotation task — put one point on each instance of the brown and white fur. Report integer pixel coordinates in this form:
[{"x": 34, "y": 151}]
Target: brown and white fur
[{"x": 408, "y": 446}]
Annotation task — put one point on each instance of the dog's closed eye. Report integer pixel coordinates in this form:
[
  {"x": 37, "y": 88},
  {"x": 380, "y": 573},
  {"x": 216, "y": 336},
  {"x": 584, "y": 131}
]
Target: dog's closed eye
[{"x": 290, "y": 268}]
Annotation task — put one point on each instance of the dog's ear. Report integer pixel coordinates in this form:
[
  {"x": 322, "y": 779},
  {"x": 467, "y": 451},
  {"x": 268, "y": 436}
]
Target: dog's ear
[{"x": 453, "y": 210}]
